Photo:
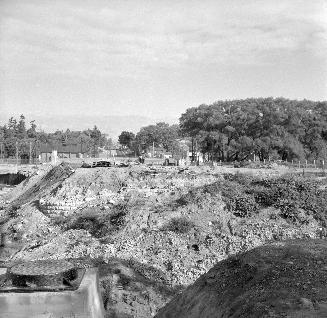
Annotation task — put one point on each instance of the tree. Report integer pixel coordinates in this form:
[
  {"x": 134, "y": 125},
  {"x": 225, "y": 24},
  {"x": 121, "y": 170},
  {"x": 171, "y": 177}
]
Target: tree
[
  {"x": 161, "y": 135},
  {"x": 31, "y": 132},
  {"x": 126, "y": 139},
  {"x": 233, "y": 130},
  {"x": 21, "y": 128}
]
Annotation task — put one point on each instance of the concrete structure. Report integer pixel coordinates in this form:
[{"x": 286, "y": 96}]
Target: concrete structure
[
  {"x": 68, "y": 151},
  {"x": 83, "y": 302}
]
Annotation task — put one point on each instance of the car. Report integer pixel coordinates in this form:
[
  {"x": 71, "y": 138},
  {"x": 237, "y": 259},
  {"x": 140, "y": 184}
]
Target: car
[
  {"x": 86, "y": 165},
  {"x": 101, "y": 163}
]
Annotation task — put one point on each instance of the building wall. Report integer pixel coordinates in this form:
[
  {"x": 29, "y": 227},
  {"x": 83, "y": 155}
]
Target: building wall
[{"x": 46, "y": 156}]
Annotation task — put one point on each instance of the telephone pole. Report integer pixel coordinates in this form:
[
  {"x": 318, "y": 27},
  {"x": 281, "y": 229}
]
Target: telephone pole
[
  {"x": 30, "y": 157},
  {"x": 16, "y": 156}
]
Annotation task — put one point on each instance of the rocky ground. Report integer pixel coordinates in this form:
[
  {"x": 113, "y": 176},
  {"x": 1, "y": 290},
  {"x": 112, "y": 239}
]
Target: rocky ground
[{"x": 138, "y": 226}]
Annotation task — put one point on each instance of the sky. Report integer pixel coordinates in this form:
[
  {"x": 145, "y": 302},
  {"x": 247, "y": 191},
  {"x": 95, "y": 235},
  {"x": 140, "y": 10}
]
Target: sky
[{"x": 157, "y": 58}]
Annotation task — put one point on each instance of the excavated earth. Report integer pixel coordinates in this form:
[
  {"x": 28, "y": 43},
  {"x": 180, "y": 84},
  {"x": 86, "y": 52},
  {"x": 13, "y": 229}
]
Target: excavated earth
[
  {"x": 118, "y": 219},
  {"x": 285, "y": 279}
]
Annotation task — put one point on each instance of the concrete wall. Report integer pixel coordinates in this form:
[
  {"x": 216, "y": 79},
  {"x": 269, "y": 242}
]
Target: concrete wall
[{"x": 85, "y": 302}]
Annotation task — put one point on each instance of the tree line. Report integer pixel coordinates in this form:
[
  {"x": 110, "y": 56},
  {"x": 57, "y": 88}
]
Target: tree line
[
  {"x": 161, "y": 135},
  {"x": 231, "y": 130},
  {"x": 236, "y": 130},
  {"x": 18, "y": 137}
]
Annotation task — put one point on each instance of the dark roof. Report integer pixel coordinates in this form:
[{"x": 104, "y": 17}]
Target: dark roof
[{"x": 73, "y": 148}]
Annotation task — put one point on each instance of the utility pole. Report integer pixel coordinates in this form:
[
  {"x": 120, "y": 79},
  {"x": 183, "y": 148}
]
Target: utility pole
[
  {"x": 192, "y": 149},
  {"x": 30, "y": 157},
  {"x": 153, "y": 150},
  {"x": 196, "y": 151},
  {"x": 16, "y": 156}
]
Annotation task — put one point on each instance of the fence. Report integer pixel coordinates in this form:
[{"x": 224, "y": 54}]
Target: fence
[
  {"x": 19, "y": 161},
  {"x": 150, "y": 161},
  {"x": 303, "y": 164},
  {"x": 295, "y": 165}
]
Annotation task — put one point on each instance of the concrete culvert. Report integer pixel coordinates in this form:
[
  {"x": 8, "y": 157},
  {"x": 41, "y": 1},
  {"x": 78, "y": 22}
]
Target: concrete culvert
[{"x": 54, "y": 287}]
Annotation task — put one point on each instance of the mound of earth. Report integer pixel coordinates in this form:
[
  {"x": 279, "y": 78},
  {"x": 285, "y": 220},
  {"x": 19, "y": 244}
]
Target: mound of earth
[
  {"x": 284, "y": 279},
  {"x": 39, "y": 183}
]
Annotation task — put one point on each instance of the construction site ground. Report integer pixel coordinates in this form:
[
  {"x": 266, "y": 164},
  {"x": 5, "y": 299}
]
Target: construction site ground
[{"x": 132, "y": 223}]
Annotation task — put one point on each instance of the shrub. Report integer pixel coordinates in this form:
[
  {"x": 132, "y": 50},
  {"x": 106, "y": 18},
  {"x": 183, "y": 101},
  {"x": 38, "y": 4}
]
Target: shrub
[
  {"x": 292, "y": 195},
  {"x": 262, "y": 196},
  {"x": 237, "y": 200},
  {"x": 288, "y": 208},
  {"x": 178, "y": 225},
  {"x": 193, "y": 196},
  {"x": 240, "y": 178},
  {"x": 101, "y": 225},
  {"x": 95, "y": 225},
  {"x": 242, "y": 205},
  {"x": 245, "y": 206}
]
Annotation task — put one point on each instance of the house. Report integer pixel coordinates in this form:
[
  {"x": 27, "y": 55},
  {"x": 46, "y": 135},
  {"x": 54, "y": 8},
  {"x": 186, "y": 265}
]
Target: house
[
  {"x": 198, "y": 156},
  {"x": 63, "y": 151},
  {"x": 155, "y": 152}
]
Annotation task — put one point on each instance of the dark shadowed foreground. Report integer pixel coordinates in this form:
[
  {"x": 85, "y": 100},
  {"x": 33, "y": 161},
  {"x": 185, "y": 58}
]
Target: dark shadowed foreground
[{"x": 284, "y": 279}]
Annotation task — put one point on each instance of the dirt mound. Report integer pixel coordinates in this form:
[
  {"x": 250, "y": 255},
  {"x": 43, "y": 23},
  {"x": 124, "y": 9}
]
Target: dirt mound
[
  {"x": 285, "y": 279},
  {"x": 38, "y": 184},
  {"x": 85, "y": 188},
  {"x": 132, "y": 289}
]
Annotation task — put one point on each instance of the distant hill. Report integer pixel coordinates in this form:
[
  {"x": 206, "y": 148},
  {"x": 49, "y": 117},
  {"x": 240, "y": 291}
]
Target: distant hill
[{"x": 112, "y": 125}]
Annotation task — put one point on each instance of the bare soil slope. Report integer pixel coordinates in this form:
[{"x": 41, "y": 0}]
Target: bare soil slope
[{"x": 285, "y": 279}]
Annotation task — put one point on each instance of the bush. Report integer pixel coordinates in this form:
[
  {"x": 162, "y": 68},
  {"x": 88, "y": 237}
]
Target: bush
[
  {"x": 237, "y": 200},
  {"x": 240, "y": 178},
  {"x": 179, "y": 225},
  {"x": 194, "y": 196},
  {"x": 241, "y": 204},
  {"x": 262, "y": 196},
  {"x": 292, "y": 195},
  {"x": 101, "y": 225},
  {"x": 245, "y": 205},
  {"x": 95, "y": 225},
  {"x": 288, "y": 209}
]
